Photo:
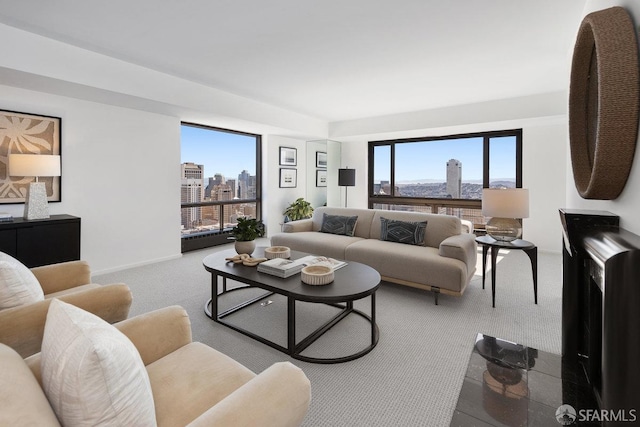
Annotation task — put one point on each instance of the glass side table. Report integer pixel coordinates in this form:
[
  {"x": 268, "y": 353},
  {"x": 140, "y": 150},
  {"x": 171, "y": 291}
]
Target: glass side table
[{"x": 489, "y": 243}]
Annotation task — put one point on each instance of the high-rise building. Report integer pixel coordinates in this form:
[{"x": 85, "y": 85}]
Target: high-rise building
[
  {"x": 218, "y": 179},
  {"x": 246, "y": 185},
  {"x": 454, "y": 178},
  {"x": 223, "y": 192},
  {"x": 191, "y": 192}
]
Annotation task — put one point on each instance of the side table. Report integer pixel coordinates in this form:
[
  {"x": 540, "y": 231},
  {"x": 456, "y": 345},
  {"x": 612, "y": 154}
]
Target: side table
[{"x": 488, "y": 242}]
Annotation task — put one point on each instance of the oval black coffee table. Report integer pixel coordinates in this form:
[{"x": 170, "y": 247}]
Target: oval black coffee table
[{"x": 352, "y": 282}]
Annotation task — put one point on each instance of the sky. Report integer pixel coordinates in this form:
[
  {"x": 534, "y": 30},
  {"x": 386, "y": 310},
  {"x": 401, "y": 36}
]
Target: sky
[
  {"x": 219, "y": 152},
  {"x": 427, "y": 160},
  {"x": 229, "y": 154}
]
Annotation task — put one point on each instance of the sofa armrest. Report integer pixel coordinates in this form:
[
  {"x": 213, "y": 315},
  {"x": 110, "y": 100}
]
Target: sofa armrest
[
  {"x": 279, "y": 396},
  {"x": 158, "y": 333},
  {"x": 22, "y": 401},
  {"x": 462, "y": 247},
  {"x": 467, "y": 226},
  {"x": 299, "y": 225},
  {"x": 22, "y": 327},
  {"x": 65, "y": 275}
]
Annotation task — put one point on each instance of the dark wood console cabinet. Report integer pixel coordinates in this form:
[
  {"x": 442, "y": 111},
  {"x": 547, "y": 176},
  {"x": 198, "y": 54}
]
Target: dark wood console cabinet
[{"x": 42, "y": 241}]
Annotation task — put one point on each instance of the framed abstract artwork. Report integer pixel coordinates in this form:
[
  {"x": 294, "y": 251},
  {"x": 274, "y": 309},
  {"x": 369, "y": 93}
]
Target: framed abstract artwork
[
  {"x": 288, "y": 156},
  {"x": 288, "y": 178},
  {"x": 26, "y": 133},
  {"x": 321, "y": 178},
  {"x": 321, "y": 159}
]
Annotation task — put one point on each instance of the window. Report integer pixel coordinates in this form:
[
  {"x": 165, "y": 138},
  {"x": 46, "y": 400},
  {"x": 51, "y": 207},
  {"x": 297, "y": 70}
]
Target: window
[
  {"x": 444, "y": 174},
  {"x": 220, "y": 181}
]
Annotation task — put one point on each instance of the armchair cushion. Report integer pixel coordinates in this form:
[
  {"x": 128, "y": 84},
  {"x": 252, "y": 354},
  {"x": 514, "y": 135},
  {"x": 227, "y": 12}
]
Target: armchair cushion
[
  {"x": 91, "y": 373},
  {"x": 215, "y": 377},
  {"x": 192, "y": 384},
  {"x": 18, "y": 285}
]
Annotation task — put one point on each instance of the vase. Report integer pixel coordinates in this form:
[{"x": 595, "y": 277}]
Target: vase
[{"x": 245, "y": 247}]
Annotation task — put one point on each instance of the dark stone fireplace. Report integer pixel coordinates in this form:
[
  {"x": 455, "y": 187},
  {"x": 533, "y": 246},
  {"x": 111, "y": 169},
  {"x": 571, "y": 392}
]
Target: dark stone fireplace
[{"x": 601, "y": 308}]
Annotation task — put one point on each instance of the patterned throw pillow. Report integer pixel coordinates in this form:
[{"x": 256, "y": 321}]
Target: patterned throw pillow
[
  {"x": 18, "y": 285},
  {"x": 92, "y": 373},
  {"x": 411, "y": 233},
  {"x": 337, "y": 224}
]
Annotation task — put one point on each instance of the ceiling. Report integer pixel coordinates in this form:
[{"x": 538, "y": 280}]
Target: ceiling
[{"x": 330, "y": 59}]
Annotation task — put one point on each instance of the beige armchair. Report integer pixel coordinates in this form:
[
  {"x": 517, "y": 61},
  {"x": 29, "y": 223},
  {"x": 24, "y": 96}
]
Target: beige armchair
[
  {"x": 22, "y": 327},
  {"x": 192, "y": 384}
]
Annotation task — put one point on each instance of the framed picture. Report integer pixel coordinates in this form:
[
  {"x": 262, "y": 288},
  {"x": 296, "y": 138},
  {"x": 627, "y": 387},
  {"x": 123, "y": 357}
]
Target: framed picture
[
  {"x": 321, "y": 178},
  {"x": 288, "y": 156},
  {"x": 321, "y": 159},
  {"x": 288, "y": 178},
  {"x": 25, "y": 133}
]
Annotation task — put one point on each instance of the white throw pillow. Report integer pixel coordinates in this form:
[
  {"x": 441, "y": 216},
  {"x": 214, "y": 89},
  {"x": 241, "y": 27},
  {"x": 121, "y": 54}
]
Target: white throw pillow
[
  {"x": 92, "y": 373},
  {"x": 18, "y": 285}
]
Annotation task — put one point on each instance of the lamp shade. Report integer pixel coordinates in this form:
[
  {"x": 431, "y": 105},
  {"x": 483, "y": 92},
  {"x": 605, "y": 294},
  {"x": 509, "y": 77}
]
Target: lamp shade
[
  {"x": 34, "y": 165},
  {"x": 346, "y": 177},
  {"x": 505, "y": 202}
]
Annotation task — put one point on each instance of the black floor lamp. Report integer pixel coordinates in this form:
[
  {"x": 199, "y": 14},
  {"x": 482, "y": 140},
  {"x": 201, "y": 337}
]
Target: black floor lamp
[{"x": 346, "y": 178}]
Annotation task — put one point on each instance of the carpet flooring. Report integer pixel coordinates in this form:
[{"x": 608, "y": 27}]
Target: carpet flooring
[{"x": 413, "y": 376}]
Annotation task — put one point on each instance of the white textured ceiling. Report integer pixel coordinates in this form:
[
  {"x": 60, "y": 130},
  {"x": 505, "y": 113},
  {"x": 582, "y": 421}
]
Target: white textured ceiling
[{"x": 331, "y": 59}]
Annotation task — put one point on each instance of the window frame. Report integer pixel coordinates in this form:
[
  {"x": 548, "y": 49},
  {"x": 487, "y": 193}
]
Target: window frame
[
  {"x": 435, "y": 203},
  {"x": 208, "y": 239}
]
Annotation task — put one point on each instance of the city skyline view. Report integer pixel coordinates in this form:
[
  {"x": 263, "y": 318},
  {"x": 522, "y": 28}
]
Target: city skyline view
[
  {"x": 426, "y": 161},
  {"x": 218, "y": 151}
]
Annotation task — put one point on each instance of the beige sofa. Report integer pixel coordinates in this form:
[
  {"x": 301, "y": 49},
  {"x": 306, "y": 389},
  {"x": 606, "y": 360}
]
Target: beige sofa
[
  {"x": 192, "y": 383},
  {"x": 444, "y": 264},
  {"x": 22, "y": 327}
]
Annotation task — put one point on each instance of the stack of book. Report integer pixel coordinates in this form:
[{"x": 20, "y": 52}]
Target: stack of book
[
  {"x": 281, "y": 267},
  {"x": 5, "y": 217},
  {"x": 284, "y": 268}
]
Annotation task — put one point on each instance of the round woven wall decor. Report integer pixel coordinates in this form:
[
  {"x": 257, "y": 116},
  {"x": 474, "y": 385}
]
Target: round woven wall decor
[{"x": 603, "y": 103}]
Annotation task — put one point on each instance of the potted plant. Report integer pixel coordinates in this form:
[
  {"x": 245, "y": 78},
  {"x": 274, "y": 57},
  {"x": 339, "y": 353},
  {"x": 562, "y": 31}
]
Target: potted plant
[
  {"x": 246, "y": 231},
  {"x": 300, "y": 209}
]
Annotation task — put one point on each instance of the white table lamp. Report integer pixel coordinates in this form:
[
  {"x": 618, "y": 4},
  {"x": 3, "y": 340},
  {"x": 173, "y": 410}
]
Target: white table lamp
[
  {"x": 35, "y": 165},
  {"x": 505, "y": 206}
]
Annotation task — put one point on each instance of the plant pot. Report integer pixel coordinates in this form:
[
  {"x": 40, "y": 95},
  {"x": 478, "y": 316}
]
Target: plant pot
[{"x": 245, "y": 247}]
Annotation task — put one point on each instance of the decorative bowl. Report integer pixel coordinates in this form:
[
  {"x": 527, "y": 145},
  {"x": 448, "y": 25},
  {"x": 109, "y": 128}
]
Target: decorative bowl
[
  {"x": 317, "y": 274},
  {"x": 277, "y": 252}
]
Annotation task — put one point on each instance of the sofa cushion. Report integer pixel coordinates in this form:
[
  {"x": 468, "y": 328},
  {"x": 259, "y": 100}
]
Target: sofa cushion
[
  {"x": 329, "y": 245},
  {"x": 365, "y": 216},
  {"x": 199, "y": 376},
  {"x": 338, "y": 224},
  {"x": 409, "y": 264},
  {"x": 91, "y": 373},
  {"x": 408, "y": 232},
  {"x": 18, "y": 285},
  {"x": 439, "y": 227}
]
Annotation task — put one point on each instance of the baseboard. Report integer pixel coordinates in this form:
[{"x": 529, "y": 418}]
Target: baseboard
[{"x": 137, "y": 264}]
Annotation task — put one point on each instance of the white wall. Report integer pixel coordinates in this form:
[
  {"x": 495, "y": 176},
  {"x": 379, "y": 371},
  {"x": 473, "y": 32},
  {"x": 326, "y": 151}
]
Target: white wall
[
  {"x": 627, "y": 205},
  {"x": 121, "y": 142},
  {"x": 543, "y": 170},
  {"x": 120, "y": 174},
  {"x": 275, "y": 199},
  {"x": 544, "y": 150}
]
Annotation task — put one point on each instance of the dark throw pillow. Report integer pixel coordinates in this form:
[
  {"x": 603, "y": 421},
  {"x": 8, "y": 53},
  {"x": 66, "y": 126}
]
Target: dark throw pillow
[
  {"x": 411, "y": 233},
  {"x": 337, "y": 224}
]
